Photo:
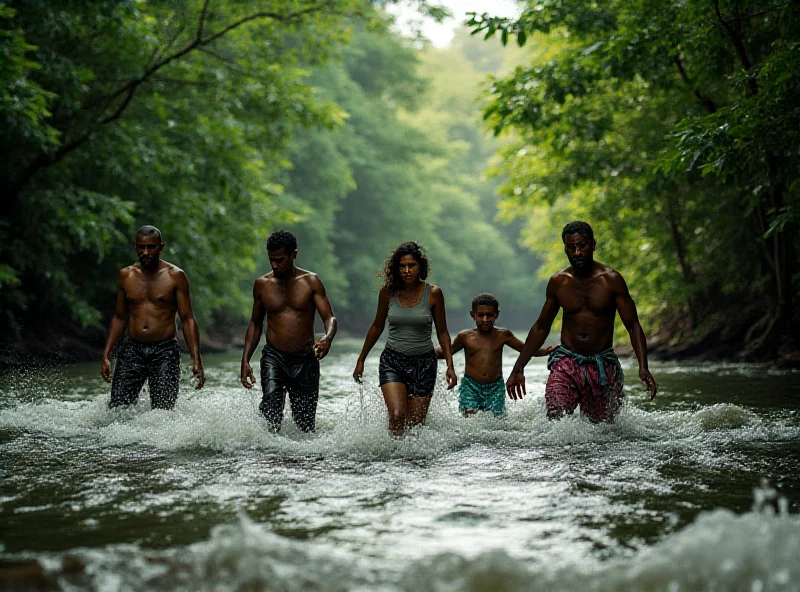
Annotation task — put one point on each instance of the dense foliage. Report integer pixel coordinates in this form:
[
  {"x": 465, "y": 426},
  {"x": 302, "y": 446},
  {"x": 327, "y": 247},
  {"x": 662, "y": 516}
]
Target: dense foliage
[
  {"x": 220, "y": 121},
  {"x": 407, "y": 163},
  {"x": 674, "y": 128}
]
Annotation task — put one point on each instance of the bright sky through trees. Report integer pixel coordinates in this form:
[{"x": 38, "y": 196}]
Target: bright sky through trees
[{"x": 441, "y": 34}]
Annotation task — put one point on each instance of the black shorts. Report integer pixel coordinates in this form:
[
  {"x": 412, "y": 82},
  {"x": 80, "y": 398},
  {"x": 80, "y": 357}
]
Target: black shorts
[
  {"x": 418, "y": 373},
  {"x": 296, "y": 374},
  {"x": 159, "y": 364}
]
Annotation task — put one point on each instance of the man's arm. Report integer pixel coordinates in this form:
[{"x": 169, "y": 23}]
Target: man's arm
[
  {"x": 323, "y": 305},
  {"x": 515, "y": 385},
  {"x": 117, "y": 326},
  {"x": 253, "y": 335},
  {"x": 191, "y": 334},
  {"x": 457, "y": 346},
  {"x": 514, "y": 343},
  {"x": 440, "y": 320},
  {"x": 630, "y": 318}
]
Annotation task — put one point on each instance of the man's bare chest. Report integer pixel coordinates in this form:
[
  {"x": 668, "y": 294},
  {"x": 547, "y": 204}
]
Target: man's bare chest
[
  {"x": 158, "y": 291},
  {"x": 294, "y": 298},
  {"x": 592, "y": 295}
]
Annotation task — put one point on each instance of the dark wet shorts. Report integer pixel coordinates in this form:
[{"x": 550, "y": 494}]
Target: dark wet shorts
[
  {"x": 418, "y": 373},
  {"x": 158, "y": 364},
  {"x": 294, "y": 373}
]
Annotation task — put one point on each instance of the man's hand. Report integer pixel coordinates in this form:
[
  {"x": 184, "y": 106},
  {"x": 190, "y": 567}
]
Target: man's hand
[
  {"x": 105, "y": 369},
  {"x": 358, "y": 371},
  {"x": 248, "y": 380},
  {"x": 197, "y": 370},
  {"x": 515, "y": 385},
  {"x": 452, "y": 379},
  {"x": 545, "y": 351},
  {"x": 649, "y": 382},
  {"x": 322, "y": 347}
]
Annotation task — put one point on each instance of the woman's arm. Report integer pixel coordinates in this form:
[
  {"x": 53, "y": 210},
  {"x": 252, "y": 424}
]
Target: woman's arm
[
  {"x": 373, "y": 333},
  {"x": 440, "y": 320}
]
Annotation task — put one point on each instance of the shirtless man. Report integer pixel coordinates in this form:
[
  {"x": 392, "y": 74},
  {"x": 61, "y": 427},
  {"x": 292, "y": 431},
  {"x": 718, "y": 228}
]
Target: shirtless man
[
  {"x": 584, "y": 370},
  {"x": 149, "y": 294},
  {"x": 289, "y": 297},
  {"x": 482, "y": 388}
]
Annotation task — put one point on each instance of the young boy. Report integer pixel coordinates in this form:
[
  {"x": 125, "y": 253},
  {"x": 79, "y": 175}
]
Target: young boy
[{"x": 483, "y": 388}]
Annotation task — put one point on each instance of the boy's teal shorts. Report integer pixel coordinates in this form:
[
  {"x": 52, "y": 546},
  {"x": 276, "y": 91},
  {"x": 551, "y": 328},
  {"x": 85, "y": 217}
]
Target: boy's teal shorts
[{"x": 483, "y": 397}]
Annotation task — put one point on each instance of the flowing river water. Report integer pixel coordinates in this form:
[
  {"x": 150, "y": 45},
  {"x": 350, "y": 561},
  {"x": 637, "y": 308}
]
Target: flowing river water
[{"x": 676, "y": 495}]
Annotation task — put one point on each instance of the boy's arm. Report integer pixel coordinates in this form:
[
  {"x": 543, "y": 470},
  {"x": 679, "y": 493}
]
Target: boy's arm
[
  {"x": 514, "y": 343},
  {"x": 458, "y": 345}
]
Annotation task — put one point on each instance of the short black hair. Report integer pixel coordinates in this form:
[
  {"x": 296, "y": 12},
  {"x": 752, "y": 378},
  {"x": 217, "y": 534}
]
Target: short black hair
[
  {"x": 485, "y": 300},
  {"x": 147, "y": 231},
  {"x": 581, "y": 228},
  {"x": 282, "y": 239}
]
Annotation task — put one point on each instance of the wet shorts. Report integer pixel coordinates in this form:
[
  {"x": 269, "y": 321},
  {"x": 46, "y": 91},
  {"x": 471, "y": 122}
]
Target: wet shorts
[
  {"x": 482, "y": 397},
  {"x": 418, "y": 373},
  {"x": 295, "y": 373},
  {"x": 158, "y": 364},
  {"x": 571, "y": 384}
]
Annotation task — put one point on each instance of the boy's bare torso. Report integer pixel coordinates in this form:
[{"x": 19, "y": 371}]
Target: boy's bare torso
[{"x": 484, "y": 353}]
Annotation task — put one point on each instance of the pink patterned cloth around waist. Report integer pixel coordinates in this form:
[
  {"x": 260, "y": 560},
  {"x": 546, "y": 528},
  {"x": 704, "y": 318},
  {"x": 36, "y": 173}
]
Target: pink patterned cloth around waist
[{"x": 576, "y": 381}]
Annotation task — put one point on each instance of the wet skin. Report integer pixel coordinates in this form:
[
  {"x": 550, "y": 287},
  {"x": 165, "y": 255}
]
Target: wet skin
[
  {"x": 149, "y": 295},
  {"x": 590, "y": 294},
  {"x": 290, "y": 298},
  {"x": 405, "y": 411},
  {"x": 483, "y": 347}
]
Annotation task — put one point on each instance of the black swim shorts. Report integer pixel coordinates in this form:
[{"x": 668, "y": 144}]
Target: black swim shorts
[
  {"x": 418, "y": 373},
  {"x": 294, "y": 373},
  {"x": 158, "y": 364}
]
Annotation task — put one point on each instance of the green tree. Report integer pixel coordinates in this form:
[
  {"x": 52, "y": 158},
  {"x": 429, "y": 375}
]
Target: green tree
[{"x": 672, "y": 128}]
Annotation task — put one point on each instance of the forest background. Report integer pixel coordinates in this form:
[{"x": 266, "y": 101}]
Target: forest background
[{"x": 671, "y": 126}]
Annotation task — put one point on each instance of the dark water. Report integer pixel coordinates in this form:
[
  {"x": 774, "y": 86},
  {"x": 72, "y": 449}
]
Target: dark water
[{"x": 669, "y": 497}]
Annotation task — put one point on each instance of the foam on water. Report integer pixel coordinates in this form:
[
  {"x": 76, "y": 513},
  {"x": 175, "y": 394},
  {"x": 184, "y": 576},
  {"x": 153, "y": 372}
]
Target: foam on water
[
  {"x": 720, "y": 551},
  {"x": 354, "y": 426}
]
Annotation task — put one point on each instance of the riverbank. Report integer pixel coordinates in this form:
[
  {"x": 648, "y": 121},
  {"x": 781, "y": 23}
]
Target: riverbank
[{"x": 721, "y": 337}]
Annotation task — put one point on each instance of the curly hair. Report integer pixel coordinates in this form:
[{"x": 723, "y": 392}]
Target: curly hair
[
  {"x": 581, "y": 228},
  {"x": 485, "y": 300},
  {"x": 391, "y": 269},
  {"x": 282, "y": 239}
]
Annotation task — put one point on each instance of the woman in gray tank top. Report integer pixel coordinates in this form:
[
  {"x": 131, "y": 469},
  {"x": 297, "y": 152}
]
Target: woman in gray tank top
[{"x": 408, "y": 365}]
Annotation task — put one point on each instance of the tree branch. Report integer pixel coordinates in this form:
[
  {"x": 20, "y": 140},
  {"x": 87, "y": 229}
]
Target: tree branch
[
  {"x": 704, "y": 100},
  {"x": 738, "y": 44},
  {"x": 128, "y": 90}
]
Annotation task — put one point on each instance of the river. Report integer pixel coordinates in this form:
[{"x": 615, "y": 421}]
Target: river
[{"x": 675, "y": 495}]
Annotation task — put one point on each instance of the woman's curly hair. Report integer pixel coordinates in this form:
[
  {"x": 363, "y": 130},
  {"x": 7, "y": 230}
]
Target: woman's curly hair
[{"x": 391, "y": 269}]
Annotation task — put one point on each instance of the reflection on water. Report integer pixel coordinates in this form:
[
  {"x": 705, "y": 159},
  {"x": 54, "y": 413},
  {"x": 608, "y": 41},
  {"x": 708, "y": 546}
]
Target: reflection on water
[{"x": 205, "y": 498}]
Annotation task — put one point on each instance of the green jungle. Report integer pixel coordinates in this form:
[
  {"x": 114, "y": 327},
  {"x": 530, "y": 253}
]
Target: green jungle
[{"x": 673, "y": 127}]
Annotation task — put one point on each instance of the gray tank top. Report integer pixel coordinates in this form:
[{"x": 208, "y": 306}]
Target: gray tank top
[{"x": 410, "y": 326}]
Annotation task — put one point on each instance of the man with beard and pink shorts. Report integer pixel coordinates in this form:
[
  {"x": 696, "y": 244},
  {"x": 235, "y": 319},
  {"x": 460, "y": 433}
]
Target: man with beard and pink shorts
[{"x": 584, "y": 370}]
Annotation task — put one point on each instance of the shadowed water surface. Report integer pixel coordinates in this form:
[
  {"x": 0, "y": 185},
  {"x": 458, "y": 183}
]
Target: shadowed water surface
[{"x": 205, "y": 498}]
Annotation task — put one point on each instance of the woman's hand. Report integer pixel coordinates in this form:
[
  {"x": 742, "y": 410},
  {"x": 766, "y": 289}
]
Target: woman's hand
[{"x": 358, "y": 371}]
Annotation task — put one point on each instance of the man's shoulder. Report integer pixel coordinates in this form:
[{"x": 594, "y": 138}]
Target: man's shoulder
[
  {"x": 171, "y": 268},
  {"x": 262, "y": 282},
  {"x": 608, "y": 272},
  {"x": 563, "y": 275},
  {"x": 175, "y": 273},
  {"x": 126, "y": 272},
  {"x": 308, "y": 276}
]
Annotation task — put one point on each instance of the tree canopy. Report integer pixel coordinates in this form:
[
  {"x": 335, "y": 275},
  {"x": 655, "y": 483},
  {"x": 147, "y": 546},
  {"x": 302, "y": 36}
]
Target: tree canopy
[{"x": 673, "y": 128}]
